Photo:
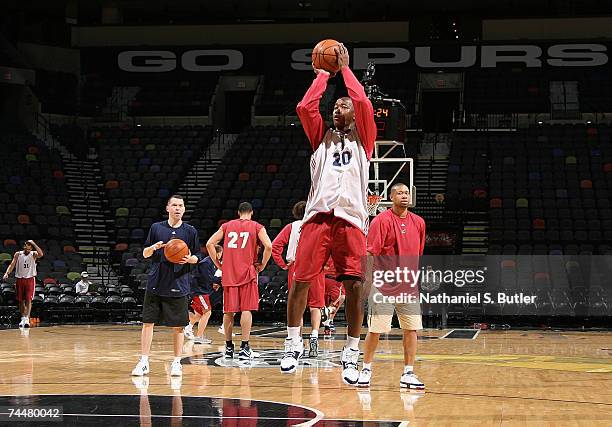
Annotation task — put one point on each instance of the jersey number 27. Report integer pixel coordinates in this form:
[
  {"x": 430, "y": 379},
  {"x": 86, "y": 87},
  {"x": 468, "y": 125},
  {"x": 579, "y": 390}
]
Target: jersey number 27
[{"x": 233, "y": 236}]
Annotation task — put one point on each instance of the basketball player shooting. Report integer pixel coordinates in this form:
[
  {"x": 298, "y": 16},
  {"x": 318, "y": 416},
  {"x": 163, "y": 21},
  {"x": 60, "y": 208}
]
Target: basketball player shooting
[{"x": 336, "y": 218}]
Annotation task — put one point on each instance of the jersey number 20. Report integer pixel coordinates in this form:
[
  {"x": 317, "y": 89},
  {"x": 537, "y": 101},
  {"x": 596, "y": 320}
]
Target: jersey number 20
[
  {"x": 233, "y": 236},
  {"x": 343, "y": 158}
]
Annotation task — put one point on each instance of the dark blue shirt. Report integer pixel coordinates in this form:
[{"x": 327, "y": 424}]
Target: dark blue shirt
[
  {"x": 204, "y": 277},
  {"x": 165, "y": 278}
]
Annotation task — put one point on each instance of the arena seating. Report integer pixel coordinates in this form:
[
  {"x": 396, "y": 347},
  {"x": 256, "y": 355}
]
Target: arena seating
[
  {"x": 174, "y": 98},
  {"x": 141, "y": 167},
  {"x": 267, "y": 166}
]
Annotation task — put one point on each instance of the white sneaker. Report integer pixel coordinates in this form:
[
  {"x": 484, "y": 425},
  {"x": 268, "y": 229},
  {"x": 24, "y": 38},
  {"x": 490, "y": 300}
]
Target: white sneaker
[
  {"x": 198, "y": 340},
  {"x": 188, "y": 332},
  {"x": 410, "y": 381},
  {"x": 350, "y": 372},
  {"x": 22, "y": 322},
  {"x": 176, "y": 369},
  {"x": 364, "y": 378},
  {"x": 142, "y": 368},
  {"x": 294, "y": 349}
]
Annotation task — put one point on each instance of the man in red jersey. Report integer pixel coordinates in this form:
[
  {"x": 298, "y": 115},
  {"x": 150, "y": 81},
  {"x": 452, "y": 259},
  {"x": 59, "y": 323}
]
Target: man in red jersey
[
  {"x": 336, "y": 217},
  {"x": 240, "y": 269},
  {"x": 289, "y": 237},
  {"x": 397, "y": 239}
]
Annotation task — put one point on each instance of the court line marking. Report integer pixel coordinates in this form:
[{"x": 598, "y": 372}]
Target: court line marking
[
  {"x": 453, "y": 330},
  {"x": 220, "y": 417},
  {"x": 318, "y": 414}
]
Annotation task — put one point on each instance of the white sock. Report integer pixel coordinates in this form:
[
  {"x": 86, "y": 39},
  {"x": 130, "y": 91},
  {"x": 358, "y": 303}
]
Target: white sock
[
  {"x": 352, "y": 342},
  {"x": 144, "y": 359},
  {"x": 408, "y": 368},
  {"x": 293, "y": 332},
  {"x": 177, "y": 360},
  {"x": 367, "y": 366},
  {"x": 314, "y": 333}
]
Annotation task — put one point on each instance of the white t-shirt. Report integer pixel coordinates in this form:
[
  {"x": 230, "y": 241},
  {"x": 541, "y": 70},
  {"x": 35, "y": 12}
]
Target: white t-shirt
[
  {"x": 82, "y": 287},
  {"x": 26, "y": 265}
]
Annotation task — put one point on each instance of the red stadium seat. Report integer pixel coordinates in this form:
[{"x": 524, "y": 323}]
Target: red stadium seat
[
  {"x": 58, "y": 174},
  {"x": 586, "y": 183},
  {"x": 110, "y": 184},
  {"x": 539, "y": 224},
  {"x": 272, "y": 168},
  {"x": 23, "y": 219},
  {"x": 244, "y": 176},
  {"x": 495, "y": 203}
]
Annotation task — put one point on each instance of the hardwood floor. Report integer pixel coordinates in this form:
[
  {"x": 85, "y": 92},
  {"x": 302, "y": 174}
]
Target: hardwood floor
[{"x": 498, "y": 378}]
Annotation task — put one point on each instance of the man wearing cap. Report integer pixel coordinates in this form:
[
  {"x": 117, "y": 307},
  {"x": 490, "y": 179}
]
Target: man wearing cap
[{"x": 82, "y": 287}]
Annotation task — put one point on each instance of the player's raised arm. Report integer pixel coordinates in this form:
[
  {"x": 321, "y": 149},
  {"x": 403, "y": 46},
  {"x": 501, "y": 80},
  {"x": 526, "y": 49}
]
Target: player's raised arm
[
  {"x": 308, "y": 109},
  {"x": 267, "y": 244},
  {"x": 279, "y": 244},
  {"x": 364, "y": 112},
  {"x": 210, "y": 246}
]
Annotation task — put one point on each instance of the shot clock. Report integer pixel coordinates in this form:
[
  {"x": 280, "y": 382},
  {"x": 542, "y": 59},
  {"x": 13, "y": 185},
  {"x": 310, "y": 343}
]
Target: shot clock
[
  {"x": 389, "y": 114},
  {"x": 390, "y": 119}
]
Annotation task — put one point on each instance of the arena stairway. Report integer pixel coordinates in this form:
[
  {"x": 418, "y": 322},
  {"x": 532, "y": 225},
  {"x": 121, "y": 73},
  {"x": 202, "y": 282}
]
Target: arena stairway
[
  {"x": 89, "y": 215},
  {"x": 430, "y": 177},
  {"x": 201, "y": 174}
]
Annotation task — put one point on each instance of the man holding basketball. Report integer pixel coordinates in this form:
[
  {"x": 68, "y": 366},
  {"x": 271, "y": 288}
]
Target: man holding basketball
[
  {"x": 166, "y": 299},
  {"x": 240, "y": 269},
  {"x": 336, "y": 218}
]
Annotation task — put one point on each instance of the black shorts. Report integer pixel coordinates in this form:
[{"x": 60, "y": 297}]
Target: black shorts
[{"x": 165, "y": 311}]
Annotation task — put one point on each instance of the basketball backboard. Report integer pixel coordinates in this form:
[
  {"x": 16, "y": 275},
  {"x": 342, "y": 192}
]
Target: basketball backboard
[{"x": 389, "y": 166}]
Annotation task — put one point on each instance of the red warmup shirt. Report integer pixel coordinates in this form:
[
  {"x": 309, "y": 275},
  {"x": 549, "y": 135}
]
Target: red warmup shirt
[
  {"x": 396, "y": 242},
  {"x": 392, "y": 235},
  {"x": 240, "y": 243},
  {"x": 278, "y": 245}
]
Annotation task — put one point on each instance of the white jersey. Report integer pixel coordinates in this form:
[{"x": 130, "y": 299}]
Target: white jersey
[
  {"x": 294, "y": 238},
  {"x": 26, "y": 265},
  {"x": 339, "y": 169}
]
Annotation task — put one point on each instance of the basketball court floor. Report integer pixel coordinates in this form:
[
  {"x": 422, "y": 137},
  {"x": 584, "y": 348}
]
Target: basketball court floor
[{"x": 498, "y": 378}]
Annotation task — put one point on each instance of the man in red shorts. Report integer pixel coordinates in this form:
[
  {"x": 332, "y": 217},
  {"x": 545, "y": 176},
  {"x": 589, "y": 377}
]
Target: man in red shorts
[
  {"x": 289, "y": 237},
  {"x": 336, "y": 218},
  {"x": 205, "y": 280},
  {"x": 24, "y": 263},
  {"x": 240, "y": 269},
  {"x": 334, "y": 297}
]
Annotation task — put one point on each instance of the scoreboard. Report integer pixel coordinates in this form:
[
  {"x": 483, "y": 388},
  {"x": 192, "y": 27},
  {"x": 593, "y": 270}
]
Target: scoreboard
[{"x": 390, "y": 119}]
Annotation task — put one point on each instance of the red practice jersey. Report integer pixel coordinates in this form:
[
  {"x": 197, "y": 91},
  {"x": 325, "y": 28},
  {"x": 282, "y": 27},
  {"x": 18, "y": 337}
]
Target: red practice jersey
[
  {"x": 390, "y": 234},
  {"x": 240, "y": 243}
]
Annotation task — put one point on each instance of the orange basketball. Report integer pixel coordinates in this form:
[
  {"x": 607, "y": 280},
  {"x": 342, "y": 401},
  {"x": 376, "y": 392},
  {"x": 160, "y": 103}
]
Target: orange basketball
[
  {"x": 175, "y": 250},
  {"x": 324, "y": 57}
]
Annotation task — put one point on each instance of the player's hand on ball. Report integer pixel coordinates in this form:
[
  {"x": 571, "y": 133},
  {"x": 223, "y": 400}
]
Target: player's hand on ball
[
  {"x": 343, "y": 56},
  {"x": 321, "y": 71},
  {"x": 158, "y": 245},
  {"x": 189, "y": 259}
]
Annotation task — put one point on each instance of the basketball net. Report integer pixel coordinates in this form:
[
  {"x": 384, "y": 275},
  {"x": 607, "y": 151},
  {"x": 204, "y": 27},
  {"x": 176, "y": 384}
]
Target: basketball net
[{"x": 373, "y": 202}]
